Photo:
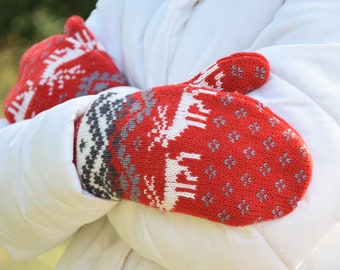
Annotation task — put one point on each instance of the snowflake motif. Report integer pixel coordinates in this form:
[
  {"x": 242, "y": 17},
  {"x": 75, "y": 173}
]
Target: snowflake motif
[
  {"x": 254, "y": 128},
  {"x": 294, "y": 202},
  {"x": 300, "y": 176},
  {"x": 223, "y": 216},
  {"x": 260, "y": 106},
  {"x": 276, "y": 212},
  {"x": 230, "y": 162},
  {"x": 243, "y": 207},
  {"x": 210, "y": 172},
  {"x": 284, "y": 160},
  {"x": 207, "y": 199},
  {"x": 234, "y": 136},
  {"x": 219, "y": 121},
  {"x": 289, "y": 134},
  {"x": 273, "y": 121},
  {"x": 246, "y": 179},
  {"x": 268, "y": 143},
  {"x": 236, "y": 71},
  {"x": 240, "y": 113},
  {"x": 262, "y": 195},
  {"x": 249, "y": 152},
  {"x": 265, "y": 169},
  {"x": 213, "y": 146},
  {"x": 260, "y": 73},
  {"x": 280, "y": 185},
  {"x": 227, "y": 189},
  {"x": 304, "y": 150}
]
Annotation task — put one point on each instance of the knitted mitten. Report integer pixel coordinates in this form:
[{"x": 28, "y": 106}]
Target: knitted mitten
[
  {"x": 185, "y": 148},
  {"x": 60, "y": 68}
]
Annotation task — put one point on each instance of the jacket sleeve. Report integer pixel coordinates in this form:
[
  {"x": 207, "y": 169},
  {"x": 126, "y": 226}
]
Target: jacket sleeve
[
  {"x": 301, "y": 41},
  {"x": 3, "y": 123},
  {"x": 42, "y": 202}
]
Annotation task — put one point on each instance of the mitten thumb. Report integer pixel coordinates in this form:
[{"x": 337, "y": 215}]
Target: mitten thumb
[{"x": 240, "y": 72}]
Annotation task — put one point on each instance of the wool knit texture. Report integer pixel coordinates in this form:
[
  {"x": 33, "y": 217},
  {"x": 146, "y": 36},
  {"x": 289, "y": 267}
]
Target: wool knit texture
[
  {"x": 59, "y": 68},
  {"x": 240, "y": 72},
  {"x": 200, "y": 148},
  {"x": 185, "y": 148}
]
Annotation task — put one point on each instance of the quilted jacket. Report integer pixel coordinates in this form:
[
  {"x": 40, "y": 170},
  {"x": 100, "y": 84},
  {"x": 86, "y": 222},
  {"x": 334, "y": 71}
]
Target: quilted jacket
[{"x": 157, "y": 42}]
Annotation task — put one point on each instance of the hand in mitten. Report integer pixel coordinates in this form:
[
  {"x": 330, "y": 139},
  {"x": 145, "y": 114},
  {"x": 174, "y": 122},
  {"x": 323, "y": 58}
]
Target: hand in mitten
[
  {"x": 59, "y": 68},
  {"x": 187, "y": 148}
]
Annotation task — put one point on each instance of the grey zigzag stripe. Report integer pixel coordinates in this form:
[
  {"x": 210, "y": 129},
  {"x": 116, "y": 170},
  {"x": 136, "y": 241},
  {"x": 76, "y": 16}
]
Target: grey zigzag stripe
[
  {"x": 100, "y": 181},
  {"x": 99, "y": 82},
  {"x": 98, "y": 174},
  {"x": 138, "y": 113}
]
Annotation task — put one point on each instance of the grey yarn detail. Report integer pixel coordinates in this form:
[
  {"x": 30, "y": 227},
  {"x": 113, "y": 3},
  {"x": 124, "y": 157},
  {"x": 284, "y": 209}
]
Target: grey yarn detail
[
  {"x": 98, "y": 138},
  {"x": 97, "y": 175},
  {"x": 99, "y": 82}
]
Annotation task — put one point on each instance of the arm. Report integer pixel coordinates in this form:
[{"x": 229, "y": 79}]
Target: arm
[
  {"x": 3, "y": 123},
  {"x": 302, "y": 45},
  {"x": 41, "y": 196}
]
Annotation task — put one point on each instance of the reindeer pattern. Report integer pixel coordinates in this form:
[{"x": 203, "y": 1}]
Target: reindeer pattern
[
  {"x": 49, "y": 71},
  {"x": 183, "y": 119}
]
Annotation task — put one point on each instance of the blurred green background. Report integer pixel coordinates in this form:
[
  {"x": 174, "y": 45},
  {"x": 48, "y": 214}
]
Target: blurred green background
[{"x": 22, "y": 23}]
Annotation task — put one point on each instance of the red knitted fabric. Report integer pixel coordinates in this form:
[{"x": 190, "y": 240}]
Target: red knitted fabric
[
  {"x": 240, "y": 72},
  {"x": 60, "y": 68},
  {"x": 183, "y": 148}
]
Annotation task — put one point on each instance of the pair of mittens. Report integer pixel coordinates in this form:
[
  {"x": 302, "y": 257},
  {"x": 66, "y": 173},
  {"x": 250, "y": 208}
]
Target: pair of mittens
[
  {"x": 59, "y": 68},
  {"x": 201, "y": 148}
]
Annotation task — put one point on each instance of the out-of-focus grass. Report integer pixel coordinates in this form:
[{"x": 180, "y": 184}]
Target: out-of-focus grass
[
  {"x": 46, "y": 261},
  {"x": 9, "y": 63}
]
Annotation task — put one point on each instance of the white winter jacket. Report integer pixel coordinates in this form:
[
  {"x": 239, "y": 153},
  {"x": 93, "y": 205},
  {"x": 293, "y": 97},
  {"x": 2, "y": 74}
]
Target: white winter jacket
[{"x": 156, "y": 42}]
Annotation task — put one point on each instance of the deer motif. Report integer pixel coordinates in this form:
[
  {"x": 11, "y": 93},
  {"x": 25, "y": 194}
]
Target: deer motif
[
  {"x": 183, "y": 118},
  {"x": 57, "y": 59},
  {"x": 179, "y": 181},
  {"x": 17, "y": 108},
  {"x": 173, "y": 169}
]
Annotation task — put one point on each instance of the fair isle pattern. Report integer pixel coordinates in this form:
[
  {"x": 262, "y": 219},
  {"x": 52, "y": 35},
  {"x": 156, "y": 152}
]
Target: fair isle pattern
[
  {"x": 183, "y": 148},
  {"x": 97, "y": 172},
  {"x": 60, "y": 68},
  {"x": 98, "y": 175},
  {"x": 97, "y": 82}
]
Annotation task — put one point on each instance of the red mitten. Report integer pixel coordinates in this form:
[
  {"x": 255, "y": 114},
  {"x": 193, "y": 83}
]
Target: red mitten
[
  {"x": 185, "y": 148},
  {"x": 59, "y": 68}
]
